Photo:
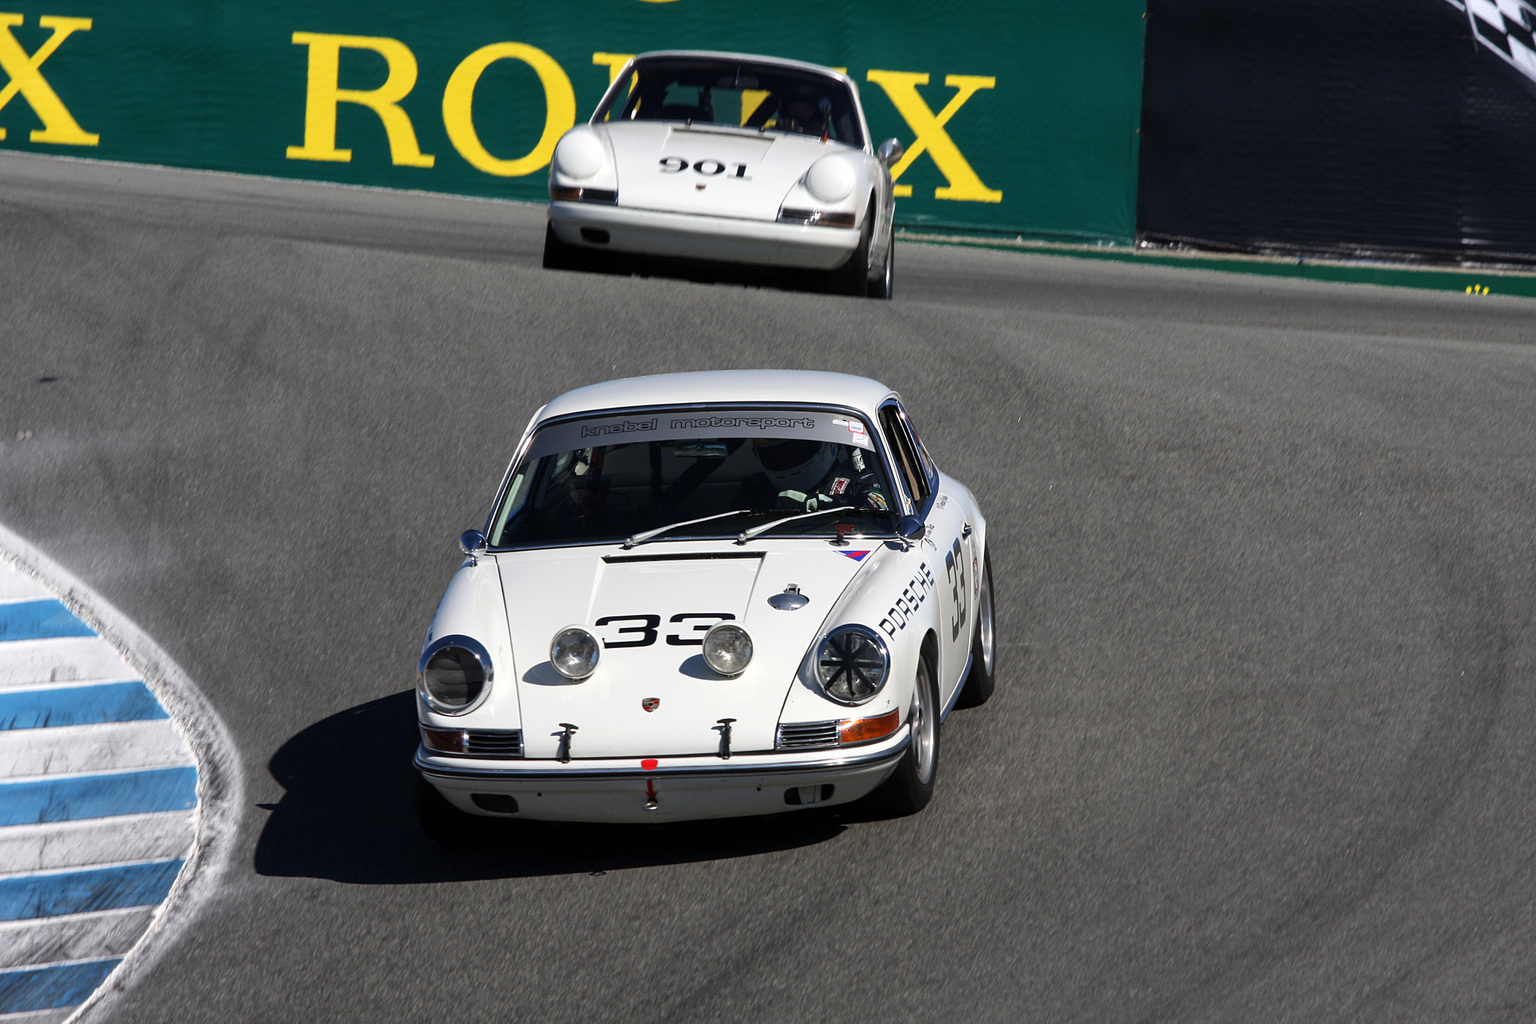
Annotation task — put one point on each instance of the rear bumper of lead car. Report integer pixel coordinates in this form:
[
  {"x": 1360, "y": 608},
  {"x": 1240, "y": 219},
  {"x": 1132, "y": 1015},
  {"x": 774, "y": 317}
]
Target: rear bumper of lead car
[
  {"x": 677, "y": 789},
  {"x": 691, "y": 237}
]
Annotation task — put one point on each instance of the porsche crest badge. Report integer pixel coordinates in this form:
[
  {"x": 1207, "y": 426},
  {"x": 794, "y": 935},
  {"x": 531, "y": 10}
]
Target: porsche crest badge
[{"x": 651, "y": 703}]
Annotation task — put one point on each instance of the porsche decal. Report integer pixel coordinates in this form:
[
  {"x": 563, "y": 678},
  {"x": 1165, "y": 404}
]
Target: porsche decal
[{"x": 911, "y": 598}]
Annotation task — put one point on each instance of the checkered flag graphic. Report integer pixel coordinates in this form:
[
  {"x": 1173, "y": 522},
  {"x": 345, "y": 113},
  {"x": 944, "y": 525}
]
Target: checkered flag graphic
[{"x": 1506, "y": 28}]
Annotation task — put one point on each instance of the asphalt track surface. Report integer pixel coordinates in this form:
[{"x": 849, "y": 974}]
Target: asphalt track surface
[{"x": 1264, "y": 741}]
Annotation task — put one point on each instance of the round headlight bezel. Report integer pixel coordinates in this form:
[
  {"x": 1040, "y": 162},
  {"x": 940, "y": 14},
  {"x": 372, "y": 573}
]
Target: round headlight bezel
[
  {"x": 839, "y": 665},
  {"x": 479, "y": 657},
  {"x": 574, "y": 632},
  {"x": 713, "y": 640}
]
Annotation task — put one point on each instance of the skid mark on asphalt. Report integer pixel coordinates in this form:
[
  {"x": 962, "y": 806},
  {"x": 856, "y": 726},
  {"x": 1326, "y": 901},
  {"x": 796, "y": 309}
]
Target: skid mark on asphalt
[{"x": 99, "y": 805}]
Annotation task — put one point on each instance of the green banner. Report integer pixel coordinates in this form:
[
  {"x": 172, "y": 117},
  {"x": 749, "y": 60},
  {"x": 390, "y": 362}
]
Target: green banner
[{"x": 1018, "y": 118}]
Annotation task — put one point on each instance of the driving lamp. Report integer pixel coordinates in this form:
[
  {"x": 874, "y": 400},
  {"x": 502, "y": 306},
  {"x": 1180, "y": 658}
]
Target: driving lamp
[
  {"x": 727, "y": 649},
  {"x": 574, "y": 652}
]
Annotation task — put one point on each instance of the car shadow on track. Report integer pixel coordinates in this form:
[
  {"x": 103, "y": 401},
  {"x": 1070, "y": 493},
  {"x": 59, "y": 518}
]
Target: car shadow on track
[{"x": 348, "y": 814}]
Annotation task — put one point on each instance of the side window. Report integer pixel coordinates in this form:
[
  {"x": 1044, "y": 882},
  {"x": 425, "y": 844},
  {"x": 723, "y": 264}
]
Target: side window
[
  {"x": 929, "y": 470},
  {"x": 894, "y": 426}
]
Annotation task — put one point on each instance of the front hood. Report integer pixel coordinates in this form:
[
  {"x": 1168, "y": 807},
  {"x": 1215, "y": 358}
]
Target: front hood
[
  {"x": 655, "y": 602},
  {"x": 758, "y": 168}
]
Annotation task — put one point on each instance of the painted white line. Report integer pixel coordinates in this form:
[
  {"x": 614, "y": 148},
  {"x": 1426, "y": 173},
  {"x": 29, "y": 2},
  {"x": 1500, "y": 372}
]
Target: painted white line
[
  {"x": 37, "y": 1016},
  {"x": 80, "y": 749},
  {"x": 16, "y": 585},
  {"x": 220, "y": 781},
  {"x": 108, "y": 933},
  {"x": 69, "y": 845},
  {"x": 25, "y": 664}
]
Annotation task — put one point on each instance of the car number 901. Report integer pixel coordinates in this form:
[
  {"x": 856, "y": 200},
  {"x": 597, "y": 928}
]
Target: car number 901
[{"x": 708, "y": 167}]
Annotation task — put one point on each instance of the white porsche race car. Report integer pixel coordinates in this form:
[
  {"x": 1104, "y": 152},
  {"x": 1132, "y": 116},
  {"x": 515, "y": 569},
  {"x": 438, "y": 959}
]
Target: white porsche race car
[
  {"x": 703, "y": 595},
  {"x": 728, "y": 158}
]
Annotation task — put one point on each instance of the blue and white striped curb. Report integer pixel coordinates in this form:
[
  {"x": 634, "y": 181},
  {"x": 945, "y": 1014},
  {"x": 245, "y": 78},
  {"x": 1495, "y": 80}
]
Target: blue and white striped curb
[{"x": 101, "y": 821}]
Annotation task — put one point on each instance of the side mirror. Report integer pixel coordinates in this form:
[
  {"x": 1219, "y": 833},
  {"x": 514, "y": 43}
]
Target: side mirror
[
  {"x": 471, "y": 541},
  {"x": 911, "y": 529},
  {"x": 889, "y": 152}
]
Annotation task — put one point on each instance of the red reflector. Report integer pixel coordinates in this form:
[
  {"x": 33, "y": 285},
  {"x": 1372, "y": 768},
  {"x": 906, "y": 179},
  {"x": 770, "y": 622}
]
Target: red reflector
[
  {"x": 447, "y": 741},
  {"x": 862, "y": 730},
  {"x": 649, "y": 763}
]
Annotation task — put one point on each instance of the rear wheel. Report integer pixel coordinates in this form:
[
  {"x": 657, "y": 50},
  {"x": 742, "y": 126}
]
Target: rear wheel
[
  {"x": 910, "y": 787},
  {"x": 982, "y": 679}
]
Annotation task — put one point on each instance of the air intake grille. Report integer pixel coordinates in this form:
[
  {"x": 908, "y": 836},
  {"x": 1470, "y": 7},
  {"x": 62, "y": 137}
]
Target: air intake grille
[
  {"x": 485, "y": 743},
  {"x": 808, "y": 734}
]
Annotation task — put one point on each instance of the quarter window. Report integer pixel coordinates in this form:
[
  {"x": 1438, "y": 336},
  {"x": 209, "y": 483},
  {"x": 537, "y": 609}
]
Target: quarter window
[{"x": 900, "y": 441}]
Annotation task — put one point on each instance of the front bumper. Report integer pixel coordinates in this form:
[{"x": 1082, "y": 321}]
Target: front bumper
[
  {"x": 677, "y": 789},
  {"x": 692, "y": 237}
]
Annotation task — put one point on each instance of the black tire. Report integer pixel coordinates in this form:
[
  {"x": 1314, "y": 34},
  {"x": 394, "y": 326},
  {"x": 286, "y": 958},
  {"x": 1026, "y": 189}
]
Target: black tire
[
  {"x": 882, "y": 287},
  {"x": 982, "y": 679},
  {"x": 910, "y": 786},
  {"x": 558, "y": 255},
  {"x": 444, "y": 823},
  {"x": 852, "y": 278}
]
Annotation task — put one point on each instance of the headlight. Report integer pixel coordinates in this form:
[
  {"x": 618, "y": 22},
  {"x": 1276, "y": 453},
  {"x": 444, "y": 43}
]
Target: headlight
[
  {"x": 830, "y": 179},
  {"x": 455, "y": 674},
  {"x": 574, "y": 653},
  {"x": 852, "y": 663},
  {"x": 727, "y": 649},
  {"x": 579, "y": 155}
]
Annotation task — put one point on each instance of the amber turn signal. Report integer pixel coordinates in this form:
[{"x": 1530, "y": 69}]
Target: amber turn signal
[{"x": 862, "y": 730}]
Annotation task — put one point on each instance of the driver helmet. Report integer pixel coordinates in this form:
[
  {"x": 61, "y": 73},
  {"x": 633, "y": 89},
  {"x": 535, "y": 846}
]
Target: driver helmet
[
  {"x": 795, "y": 463},
  {"x": 804, "y": 112}
]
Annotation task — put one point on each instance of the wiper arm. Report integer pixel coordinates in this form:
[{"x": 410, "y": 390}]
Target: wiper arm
[
  {"x": 747, "y": 535},
  {"x": 645, "y": 535}
]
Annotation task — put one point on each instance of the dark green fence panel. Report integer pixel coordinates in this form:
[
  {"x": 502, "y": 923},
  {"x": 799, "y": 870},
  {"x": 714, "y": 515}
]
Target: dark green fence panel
[{"x": 1019, "y": 118}]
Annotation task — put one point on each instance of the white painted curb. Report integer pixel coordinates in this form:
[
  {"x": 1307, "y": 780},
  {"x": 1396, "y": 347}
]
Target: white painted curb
[{"x": 220, "y": 780}]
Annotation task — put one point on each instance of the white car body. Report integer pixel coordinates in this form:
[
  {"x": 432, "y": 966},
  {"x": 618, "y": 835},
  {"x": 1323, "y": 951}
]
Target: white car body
[
  {"x": 690, "y": 182},
  {"x": 642, "y": 738}
]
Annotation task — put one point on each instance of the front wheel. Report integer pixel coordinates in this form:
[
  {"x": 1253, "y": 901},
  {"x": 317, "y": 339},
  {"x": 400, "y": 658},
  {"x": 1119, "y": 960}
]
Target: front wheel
[
  {"x": 444, "y": 823},
  {"x": 910, "y": 786},
  {"x": 982, "y": 679},
  {"x": 560, "y": 256},
  {"x": 852, "y": 278},
  {"x": 881, "y": 287}
]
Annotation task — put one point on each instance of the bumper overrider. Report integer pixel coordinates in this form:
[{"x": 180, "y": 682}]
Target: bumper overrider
[
  {"x": 694, "y": 236},
  {"x": 675, "y": 789}
]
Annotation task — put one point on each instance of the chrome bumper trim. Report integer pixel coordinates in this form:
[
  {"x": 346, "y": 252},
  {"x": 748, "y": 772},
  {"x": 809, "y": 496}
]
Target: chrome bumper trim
[{"x": 723, "y": 769}]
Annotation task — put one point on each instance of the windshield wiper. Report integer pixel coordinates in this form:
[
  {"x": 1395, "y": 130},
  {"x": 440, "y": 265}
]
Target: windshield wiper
[
  {"x": 747, "y": 535},
  {"x": 645, "y": 535}
]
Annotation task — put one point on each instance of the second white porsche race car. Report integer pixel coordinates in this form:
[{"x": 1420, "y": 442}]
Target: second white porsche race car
[{"x": 732, "y": 158}]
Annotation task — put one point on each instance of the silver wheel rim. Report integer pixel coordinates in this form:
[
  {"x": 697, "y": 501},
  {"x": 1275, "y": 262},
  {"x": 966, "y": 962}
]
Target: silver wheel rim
[
  {"x": 925, "y": 725},
  {"x": 986, "y": 622},
  {"x": 890, "y": 252}
]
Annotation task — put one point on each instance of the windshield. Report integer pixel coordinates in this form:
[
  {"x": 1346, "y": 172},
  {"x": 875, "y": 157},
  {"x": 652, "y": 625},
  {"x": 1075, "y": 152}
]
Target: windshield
[
  {"x": 732, "y": 469},
  {"x": 737, "y": 93}
]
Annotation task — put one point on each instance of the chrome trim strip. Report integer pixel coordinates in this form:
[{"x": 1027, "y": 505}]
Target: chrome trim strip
[
  {"x": 690, "y": 556},
  {"x": 719, "y": 770},
  {"x": 474, "y": 647},
  {"x": 954, "y": 698}
]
